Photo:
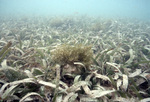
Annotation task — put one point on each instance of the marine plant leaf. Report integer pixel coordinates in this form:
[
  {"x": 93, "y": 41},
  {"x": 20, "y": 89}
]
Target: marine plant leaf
[
  {"x": 8, "y": 92},
  {"x": 31, "y": 94},
  {"x": 75, "y": 86},
  {"x": 125, "y": 82},
  {"x": 100, "y": 93}
]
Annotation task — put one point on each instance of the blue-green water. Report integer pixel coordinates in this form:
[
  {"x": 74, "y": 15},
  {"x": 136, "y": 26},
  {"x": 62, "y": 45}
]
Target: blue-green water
[{"x": 106, "y": 8}]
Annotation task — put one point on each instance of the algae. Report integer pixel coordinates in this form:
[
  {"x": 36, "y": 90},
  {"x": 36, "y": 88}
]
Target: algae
[{"x": 68, "y": 54}]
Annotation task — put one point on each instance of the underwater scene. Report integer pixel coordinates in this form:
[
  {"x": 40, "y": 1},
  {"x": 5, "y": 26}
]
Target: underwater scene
[{"x": 74, "y": 51}]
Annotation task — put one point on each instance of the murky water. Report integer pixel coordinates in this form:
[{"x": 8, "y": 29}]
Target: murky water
[{"x": 104, "y": 8}]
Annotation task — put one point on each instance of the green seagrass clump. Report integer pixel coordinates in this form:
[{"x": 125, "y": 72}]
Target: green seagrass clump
[{"x": 68, "y": 54}]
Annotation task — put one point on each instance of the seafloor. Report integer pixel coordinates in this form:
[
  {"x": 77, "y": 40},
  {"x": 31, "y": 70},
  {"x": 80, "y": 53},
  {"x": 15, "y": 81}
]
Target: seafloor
[{"x": 74, "y": 59}]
